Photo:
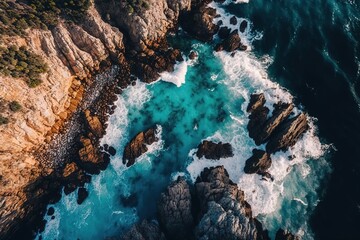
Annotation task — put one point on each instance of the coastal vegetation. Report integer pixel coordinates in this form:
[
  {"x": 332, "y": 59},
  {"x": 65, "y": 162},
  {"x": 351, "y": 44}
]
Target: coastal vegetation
[
  {"x": 136, "y": 5},
  {"x": 15, "y": 106},
  {"x": 22, "y": 63},
  {"x": 16, "y": 17}
]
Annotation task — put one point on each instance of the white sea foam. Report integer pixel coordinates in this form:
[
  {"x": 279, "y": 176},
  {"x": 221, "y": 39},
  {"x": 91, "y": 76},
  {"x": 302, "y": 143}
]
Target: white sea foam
[
  {"x": 176, "y": 77},
  {"x": 247, "y": 74}
]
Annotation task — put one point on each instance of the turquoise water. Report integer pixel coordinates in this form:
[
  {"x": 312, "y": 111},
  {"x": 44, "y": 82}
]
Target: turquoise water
[{"x": 210, "y": 104}]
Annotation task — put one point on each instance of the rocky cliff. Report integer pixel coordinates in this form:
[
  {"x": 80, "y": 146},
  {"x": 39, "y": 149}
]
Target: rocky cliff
[{"x": 73, "y": 53}]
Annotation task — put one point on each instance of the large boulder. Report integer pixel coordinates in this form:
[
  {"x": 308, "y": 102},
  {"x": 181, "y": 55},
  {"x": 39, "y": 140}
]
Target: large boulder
[
  {"x": 259, "y": 162},
  {"x": 91, "y": 159},
  {"x": 94, "y": 124},
  {"x": 215, "y": 151},
  {"x": 175, "y": 211},
  {"x": 199, "y": 22},
  {"x": 231, "y": 43},
  {"x": 288, "y": 134},
  {"x": 256, "y": 101},
  {"x": 224, "y": 212},
  {"x": 144, "y": 231},
  {"x": 138, "y": 146}
]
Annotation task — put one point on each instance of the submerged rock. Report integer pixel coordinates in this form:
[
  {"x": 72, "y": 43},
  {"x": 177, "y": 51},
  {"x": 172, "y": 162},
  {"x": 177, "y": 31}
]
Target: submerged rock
[
  {"x": 285, "y": 235},
  {"x": 144, "y": 231},
  {"x": 224, "y": 212},
  {"x": 174, "y": 210},
  {"x": 214, "y": 151},
  {"x": 259, "y": 162},
  {"x": 138, "y": 146},
  {"x": 288, "y": 134}
]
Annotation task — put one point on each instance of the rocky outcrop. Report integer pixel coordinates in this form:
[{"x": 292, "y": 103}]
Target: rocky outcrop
[
  {"x": 231, "y": 42},
  {"x": 94, "y": 124},
  {"x": 285, "y": 235},
  {"x": 215, "y": 151},
  {"x": 138, "y": 146},
  {"x": 82, "y": 195},
  {"x": 174, "y": 210},
  {"x": 288, "y": 134},
  {"x": 225, "y": 213},
  {"x": 260, "y": 126},
  {"x": 144, "y": 231},
  {"x": 259, "y": 162},
  {"x": 199, "y": 22}
]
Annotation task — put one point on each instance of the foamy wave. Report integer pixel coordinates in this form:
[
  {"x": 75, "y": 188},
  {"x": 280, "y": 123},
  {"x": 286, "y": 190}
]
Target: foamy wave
[{"x": 176, "y": 77}]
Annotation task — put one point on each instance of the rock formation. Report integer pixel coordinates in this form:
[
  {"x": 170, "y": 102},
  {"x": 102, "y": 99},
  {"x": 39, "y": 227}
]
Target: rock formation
[
  {"x": 144, "y": 231},
  {"x": 138, "y": 146},
  {"x": 288, "y": 133},
  {"x": 259, "y": 162},
  {"x": 214, "y": 151},
  {"x": 175, "y": 210}
]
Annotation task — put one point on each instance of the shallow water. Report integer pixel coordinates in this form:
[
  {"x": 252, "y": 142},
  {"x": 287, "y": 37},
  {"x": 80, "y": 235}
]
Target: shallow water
[{"x": 203, "y": 99}]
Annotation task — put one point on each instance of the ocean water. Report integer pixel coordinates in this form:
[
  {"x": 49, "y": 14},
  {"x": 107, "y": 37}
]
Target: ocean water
[{"x": 206, "y": 99}]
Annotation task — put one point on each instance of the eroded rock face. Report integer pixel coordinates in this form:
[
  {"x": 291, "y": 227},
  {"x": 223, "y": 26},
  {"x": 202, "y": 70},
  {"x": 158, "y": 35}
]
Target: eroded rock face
[
  {"x": 288, "y": 134},
  {"x": 225, "y": 213},
  {"x": 138, "y": 146},
  {"x": 259, "y": 162},
  {"x": 94, "y": 124},
  {"x": 144, "y": 231},
  {"x": 211, "y": 150},
  {"x": 174, "y": 210}
]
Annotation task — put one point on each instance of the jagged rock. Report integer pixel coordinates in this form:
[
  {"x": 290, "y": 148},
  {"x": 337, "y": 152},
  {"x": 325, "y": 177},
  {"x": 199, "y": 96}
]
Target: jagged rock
[
  {"x": 137, "y": 146},
  {"x": 214, "y": 151},
  {"x": 91, "y": 159},
  {"x": 144, "y": 231},
  {"x": 260, "y": 129},
  {"x": 199, "y": 21},
  {"x": 285, "y": 235},
  {"x": 174, "y": 210},
  {"x": 224, "y": 212},
  {"x": 288, "y": 134},
  {"x": 224, "y": 32},
  {"x": 82, "y": 195},
  {"x": 243, "y": 26},
  {"x": 232, "y": 43},
  {"x": 256, "y": 101},
  {"x": 233, "y": 20},
  {"x": 70, "y": 169},
  {"x": 259, "y": 162},
  {"x": 94, "y": 124}
]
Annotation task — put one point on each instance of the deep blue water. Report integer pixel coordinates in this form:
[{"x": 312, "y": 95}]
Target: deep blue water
[{"x": 308, "y": 47}]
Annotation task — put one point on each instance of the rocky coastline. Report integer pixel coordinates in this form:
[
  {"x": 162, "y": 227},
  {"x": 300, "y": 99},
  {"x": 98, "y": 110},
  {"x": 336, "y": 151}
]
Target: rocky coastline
[{"x": 103, "y": 56}]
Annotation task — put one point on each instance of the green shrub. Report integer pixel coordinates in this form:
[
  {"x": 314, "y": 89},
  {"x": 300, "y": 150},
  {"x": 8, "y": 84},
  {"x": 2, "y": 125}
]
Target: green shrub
[
  {"x": 15, "y": 106},
  {"x": 3, "y": 120},
  {"x": 21, "y": 63}
]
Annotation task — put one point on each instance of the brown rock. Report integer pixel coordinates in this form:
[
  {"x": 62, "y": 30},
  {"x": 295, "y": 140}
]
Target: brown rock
[
  {"x": 90, "y": 157},
  {"x": 137, "y": 146},
  {"x": 256, "y": 101},
  {"x": 259, "y": 162},
  {"x": 214, "y": 151},
  {"x": 70, "y": 169},
  {"x": 94, "y": 124},
  {"x": 288, "y": 134}
]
